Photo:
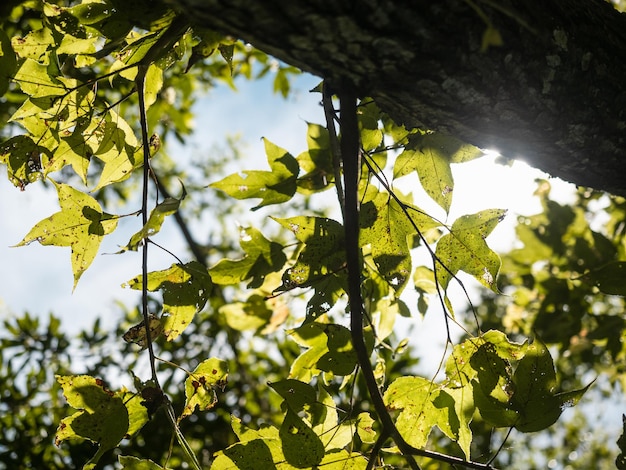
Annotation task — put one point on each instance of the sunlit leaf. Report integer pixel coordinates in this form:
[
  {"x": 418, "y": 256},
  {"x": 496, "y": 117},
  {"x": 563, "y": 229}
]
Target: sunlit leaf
[
  {"x": 465, "y": 249},
  {"x": 414, "y": 398},
  {"x": 34, "y": 80},
  {"x": 80, "y": 224},
  {"x": 186, "y": 289},
  {"x": 316, "y": 162},
  {"x": 430, "y": 155},
  {"x": 262, "y": 257},
  {"x": 201, "y": 384},
  {"x": 329, "y": 350},
  {"x": 35, "y": 45},
  {"x": 323, "y": 252},
  {"x": 273, "y": 187},
  {"x": 102, "y": 416},
  {"x": 535, "y": 379},
  {"x": 117, "y": 149},
  {"x": 133, "y": 463},
  {"x": 22, "y": 156},
  {"x": 157, "y": 216},
  {"x": 252, "y": 314},
  {"x": 386, "y": 226}
]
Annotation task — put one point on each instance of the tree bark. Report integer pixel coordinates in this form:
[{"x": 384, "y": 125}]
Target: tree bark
[{"x": 552, "y": 94}]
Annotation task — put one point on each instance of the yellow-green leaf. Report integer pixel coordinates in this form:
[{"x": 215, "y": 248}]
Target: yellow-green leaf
[
  {"x": 80, "y": 224},
  {"x": 102, "y": 415},
  {"x": 200, "y": 385},
  {"x": 430, "y": 155},
  {"x": 157, "y": 216},
  {"x": 465, "y": 249},
  {"x": 262, "y": 257},
  {"x": 186, "y": 289},
  {"x": 273, "y": 187}
]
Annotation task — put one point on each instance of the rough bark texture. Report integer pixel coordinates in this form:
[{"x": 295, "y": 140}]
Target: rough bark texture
[{"x": 554, "y": 93}]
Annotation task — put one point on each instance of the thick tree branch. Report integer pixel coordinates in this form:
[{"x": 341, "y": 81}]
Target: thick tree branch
[{"x": 551, "y": 94}]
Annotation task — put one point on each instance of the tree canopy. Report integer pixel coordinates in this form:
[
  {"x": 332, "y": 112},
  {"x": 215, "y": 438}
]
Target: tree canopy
[{"x": 288, "y": 344}]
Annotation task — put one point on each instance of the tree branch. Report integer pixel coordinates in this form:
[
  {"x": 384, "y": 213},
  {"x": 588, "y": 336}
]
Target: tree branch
[{"x": 551, "y": 94}]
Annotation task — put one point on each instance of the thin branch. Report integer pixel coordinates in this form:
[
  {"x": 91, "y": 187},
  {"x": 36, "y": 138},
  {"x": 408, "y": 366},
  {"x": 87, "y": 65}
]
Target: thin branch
[{"x": 140, "y": 81}]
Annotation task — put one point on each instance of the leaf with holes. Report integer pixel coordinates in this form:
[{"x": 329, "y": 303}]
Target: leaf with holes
[
  {"x": 262, "y": 257},
  {"x": 186, "y": 289},
  {"x": 386, "y": 227},
  {"x": 465, "y": 249},
  {"x": 416, "y": 400},
  {"x": 273, "y": 187},
  {"x": 23, "y": 159},
  {"x": 201, "y": 384},
  {"x": 104, "y": 417},
  {"x": 430, "y": 155},
  {"x": 329, "y": 350},
  {"x": 535, "y": 399},
  {"x": 35, "y": 80},
  {"x": 323, "y": 252},
  {"x": 80, "y": 224}
]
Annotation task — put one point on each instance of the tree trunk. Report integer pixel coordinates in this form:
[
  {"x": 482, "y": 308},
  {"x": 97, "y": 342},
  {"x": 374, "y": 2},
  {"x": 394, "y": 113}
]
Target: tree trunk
[{"x": 552, "y": 94}]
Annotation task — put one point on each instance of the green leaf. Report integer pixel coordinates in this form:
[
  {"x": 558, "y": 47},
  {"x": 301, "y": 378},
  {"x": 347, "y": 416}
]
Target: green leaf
[
  {"x": 465, "y": 249},
  {"x": 186, "y": 289},
  {"x": 610, "y": 278},
  {"x": 463, "y": 403},
  {"x": 273, "y": 187},
  {"x": 535, "y": 379},
  {"x": 365, "y": 428},
  {"x": 80, "y": 224},
  {"x": 101, "y": 417},
  {"x": 35, "y": 45},
  {"x": 301, "y": 446},
  {"x": 250, "y": 315},
  {"x": 368, "y": 118},
  {"x": 386, "y": 227},
  {"x": 296, "y": 394},
  {"x": 200, "y": 385},
  {"x": 262, "y": 258},
  {"x": 35, "y": 80},
  {"x": 323, "y": 252},
  {"x": 415, "y": 398},
  {"x": 316, "y": 162},
  {"x": 117, "y": 149},
  {"x": 23, "y": 159},
  {"x": 157, "y": 216},
  {"x": 256, "y": 449},
  {"x": 430, "y": 155},
  {"x": 8, "y": 63},
  {"x": 133, "y": 463},
  {"x": 74, "y": 46},
  {"x": 330, "y": 350},
  {"x": 153, "y": 84}
]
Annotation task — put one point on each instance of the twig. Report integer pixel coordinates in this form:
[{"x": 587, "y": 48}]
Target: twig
[{"x": 140, "y": 81}]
